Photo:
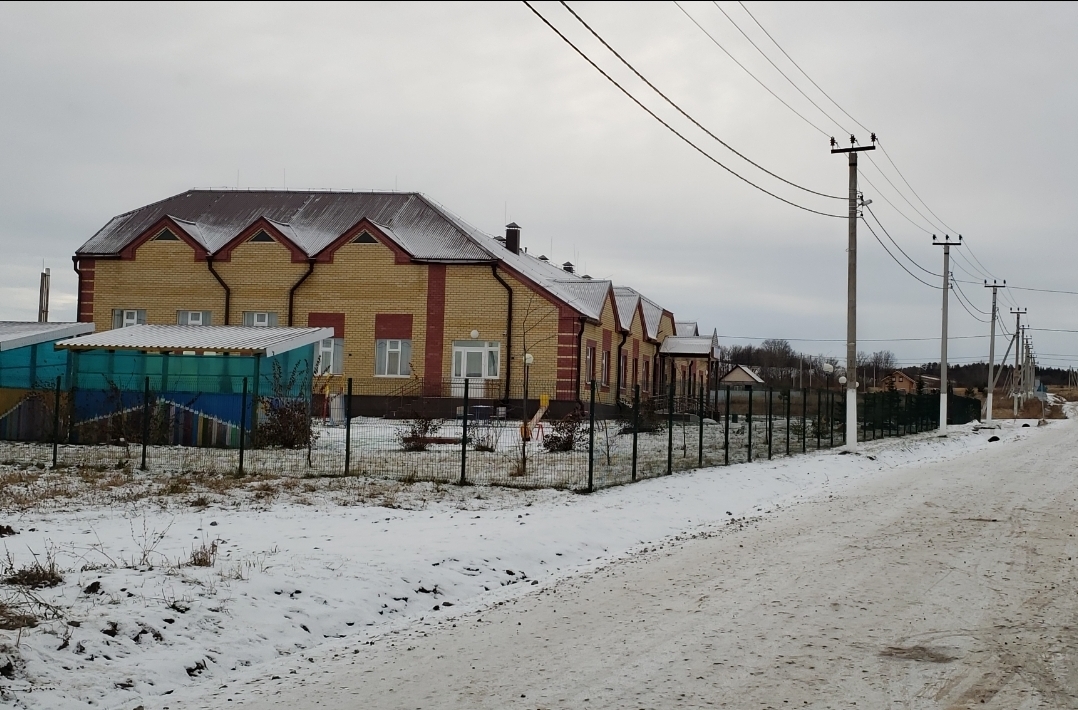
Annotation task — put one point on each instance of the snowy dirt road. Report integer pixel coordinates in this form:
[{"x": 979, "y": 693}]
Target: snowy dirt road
[{"x": 944, "y": 585}]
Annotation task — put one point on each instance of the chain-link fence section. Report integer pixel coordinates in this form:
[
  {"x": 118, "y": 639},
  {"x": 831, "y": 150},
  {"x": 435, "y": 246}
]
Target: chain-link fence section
[{"x": 467, "y": 432}]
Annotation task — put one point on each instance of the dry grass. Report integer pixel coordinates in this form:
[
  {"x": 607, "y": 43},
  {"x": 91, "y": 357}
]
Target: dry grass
[
  {"x": 205, "y": 555},
  {"x": 36, "y": 575}
]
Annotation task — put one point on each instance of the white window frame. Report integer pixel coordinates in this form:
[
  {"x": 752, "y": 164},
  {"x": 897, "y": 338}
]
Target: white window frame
[
  {"x": 193, "y": 317},
  {"x": 129, "y": 318},
  {"x": 589, "y": 362},
  {"x": 489, "y": 352},
  {"x": 329, "y": 358},
  {"x": 260, "y": 319},
  {"x": 604, "y": 372},
  {"x": 402, "y": 347}
]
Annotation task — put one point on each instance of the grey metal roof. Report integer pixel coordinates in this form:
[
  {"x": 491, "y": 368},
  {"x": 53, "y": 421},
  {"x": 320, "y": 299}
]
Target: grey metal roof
[
  {"x": 732, "y": 375},
  {"x": 686, "y": 327},
  {"x": 627, "y": 300},
  {"x": 215, "y": 338},
  {"x": 312, "y": 220},
  {"x": 652, "y": 311},
  {"x": 21, "y": 334}
]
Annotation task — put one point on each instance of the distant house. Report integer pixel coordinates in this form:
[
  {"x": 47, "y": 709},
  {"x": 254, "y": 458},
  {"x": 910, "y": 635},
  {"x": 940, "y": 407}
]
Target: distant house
[
  {"x": 690, "y": 360},
  {"x": 741, "y": 378},
  {"x": 899, "y": 381}
]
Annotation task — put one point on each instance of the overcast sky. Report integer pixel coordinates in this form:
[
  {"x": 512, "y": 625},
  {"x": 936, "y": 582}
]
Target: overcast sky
[{"x": 483, "y": 108}]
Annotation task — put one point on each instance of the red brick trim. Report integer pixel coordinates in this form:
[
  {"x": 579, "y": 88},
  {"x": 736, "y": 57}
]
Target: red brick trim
[
  {"x": 128, "y": 252},
  {"x": 87, "y": 273},
  {"x": 327, "y": 320},
  {"x": 397, "y": 326},
  {"x": 432, "y": 357}
]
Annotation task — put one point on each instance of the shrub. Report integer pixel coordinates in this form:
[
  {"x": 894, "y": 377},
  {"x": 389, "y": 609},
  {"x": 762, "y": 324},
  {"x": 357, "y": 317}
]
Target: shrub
[
  {"x": 286, "y": 421},
  {"x": 417, "y": 435},
  {"x": 564, "y": 433}
]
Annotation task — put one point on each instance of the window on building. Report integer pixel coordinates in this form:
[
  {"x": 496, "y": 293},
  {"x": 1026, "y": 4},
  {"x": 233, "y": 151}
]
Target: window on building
[
  {"x": 392, "y": 358},
  {"x": 166, "y": 235},
  {"x": 646, "y": 372},
  {"x": 363, "y": 238},
  {"x": 330, "y": 357},
  {"x": 476, "y": 359},
  {"x": 127, "y": 317},
  {"x": 262, "y": 237},
  {"x": 623, "y": 371},
  {"x": 192, "y": 317},
  {"x": 589, "y": 363},
  {"x": 259, "y": 319},
  {"x": 604, "y": 372}
]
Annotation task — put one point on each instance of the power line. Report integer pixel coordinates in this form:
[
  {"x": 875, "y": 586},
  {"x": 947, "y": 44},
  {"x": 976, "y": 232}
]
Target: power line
[
  {"x": 799, "y": 67},
  {"x": 870, "y": 229},
  {"x": 680, "y": 110},
  {"x": 969, "y": 300},
  {"x": 898, "y": 247},
  {"x": 719, "y": 45},
  {"x": 960, "y": 297},
  {"x": 1053, "y": 330},
  {"x": 860, "y": 340},
  {"x": 831, "y": 118},
  {"x": 670, "y": 128},
  {"x": 1043, "y": 290}
]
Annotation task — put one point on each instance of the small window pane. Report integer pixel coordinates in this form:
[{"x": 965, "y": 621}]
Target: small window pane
[
  {"x": 380, "y": 357},
  {"x": 457, "y": 355},
  {"x": 492, "y": 363},
  {"x": 406, "y": 357},
  {"x": 394, "y": 363},
  {"x": 473, "y": 364}
]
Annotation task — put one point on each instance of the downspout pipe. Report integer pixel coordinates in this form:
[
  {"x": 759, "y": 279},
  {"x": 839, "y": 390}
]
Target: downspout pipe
[
  {"x": 508, "y": 330},
  {"x": 295, "y": 287},
  {"x": 617, "y": 378},
  {"x": 579, "y": 361},
  {"x": 228, "y": 291}
]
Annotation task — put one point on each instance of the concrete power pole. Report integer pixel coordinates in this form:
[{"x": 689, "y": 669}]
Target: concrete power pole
[
  {"x": 946, "y": 244},
  {"x": 1017, "y": 313},
  {"x": 992, "y": 349},
  {"x": 851, "y": 287}
]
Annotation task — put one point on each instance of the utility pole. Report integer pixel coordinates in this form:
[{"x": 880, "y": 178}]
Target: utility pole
[
  {"x": 851, "y": 287},
  {"x": 1017, "y": 313},
  {"x": 946, "y": 244},
  {"x": 992, "y": 349}
]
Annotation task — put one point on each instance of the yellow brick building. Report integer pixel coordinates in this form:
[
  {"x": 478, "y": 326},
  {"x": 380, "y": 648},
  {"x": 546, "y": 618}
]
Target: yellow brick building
[{"x": 419, "y": 301}]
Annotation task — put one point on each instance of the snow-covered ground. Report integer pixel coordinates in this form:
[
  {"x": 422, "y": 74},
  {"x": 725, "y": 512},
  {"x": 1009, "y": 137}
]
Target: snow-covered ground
[{"x": 137, "y": 624}]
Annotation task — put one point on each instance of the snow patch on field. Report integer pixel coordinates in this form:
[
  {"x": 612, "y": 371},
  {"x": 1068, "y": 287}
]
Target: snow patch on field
[{"x": 137, "y": 621}]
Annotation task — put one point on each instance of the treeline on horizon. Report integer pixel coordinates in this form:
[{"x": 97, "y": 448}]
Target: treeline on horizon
[{"x": 779, "y": 364}]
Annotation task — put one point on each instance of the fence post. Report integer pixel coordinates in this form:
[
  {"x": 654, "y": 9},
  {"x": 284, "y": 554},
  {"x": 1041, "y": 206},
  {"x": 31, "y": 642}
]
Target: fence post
[
  {"x": 670, "y": 430},
  {"x": 831, "y": 418},
  {"x": 845, "y": 393},
  {"x": 726, "y": 430},
  {"x": 636, "y": 423},
  {"x": 56, "y": 423},
  {"x": 145, "y": 421},
  {"x": 348, "y": 428},
  {"x": 804, "y": 419},
  {"x": 464, "y": 435},
  {"x": 700, "y": 441},
  {"x": 788, "y": 405},
  {"x": 243, "y": 424},
  {"x": 591, "y": 440},
  {"x": 819, "y": 416},
  {"x": 770, "y": 427},
  {"x": 748, "y": 424}
]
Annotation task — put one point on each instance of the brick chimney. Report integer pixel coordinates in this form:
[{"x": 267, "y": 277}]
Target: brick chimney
[{"x": 512, "y": 237}]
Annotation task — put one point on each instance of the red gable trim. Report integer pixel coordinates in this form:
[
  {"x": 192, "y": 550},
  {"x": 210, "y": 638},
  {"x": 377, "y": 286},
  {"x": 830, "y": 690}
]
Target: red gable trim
[
  {"x": 128, "y": 252},
  {"x": 537, "y": 288},
  {"x": 261, "y": 224},
  {"x": 327, "y": 320},
  {"x": 364, "y": 225}
]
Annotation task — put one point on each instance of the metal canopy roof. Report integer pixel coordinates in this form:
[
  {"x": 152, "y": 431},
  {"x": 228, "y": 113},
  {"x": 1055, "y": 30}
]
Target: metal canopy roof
[
  {"x": 690, "y": 346},
  {"x": 19, "y": 334},
  {"x": 215, "y": 338}
]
